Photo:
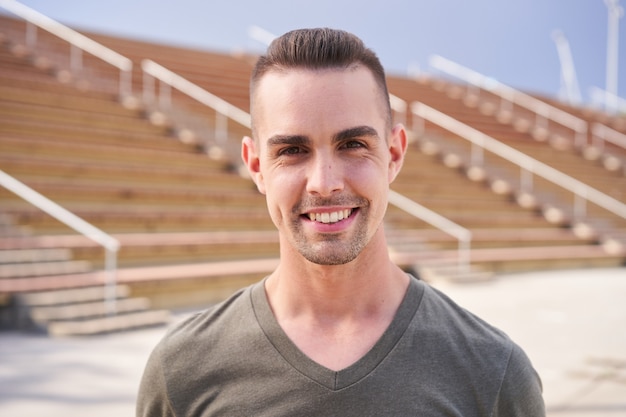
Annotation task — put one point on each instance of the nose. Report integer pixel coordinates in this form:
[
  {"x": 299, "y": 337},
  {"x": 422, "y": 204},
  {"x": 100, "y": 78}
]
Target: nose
[{"x": 325, "y": 177}]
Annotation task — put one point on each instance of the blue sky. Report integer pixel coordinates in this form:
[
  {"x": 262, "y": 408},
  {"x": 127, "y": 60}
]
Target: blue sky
[{"x": 510, "y": 40}]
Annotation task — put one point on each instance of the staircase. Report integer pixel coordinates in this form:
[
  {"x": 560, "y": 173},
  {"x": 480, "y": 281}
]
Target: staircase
[
  {"x": 509, "y": 233},
  {"x": 167, "y": 203}
]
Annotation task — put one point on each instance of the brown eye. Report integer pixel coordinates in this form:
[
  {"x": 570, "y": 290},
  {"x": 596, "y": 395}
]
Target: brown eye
[
  {"x": 292, "y": 150},
  {"x": 353, "y": 144}
]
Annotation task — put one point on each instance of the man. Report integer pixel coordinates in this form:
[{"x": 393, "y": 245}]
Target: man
[{"x": 337, "y": 329}]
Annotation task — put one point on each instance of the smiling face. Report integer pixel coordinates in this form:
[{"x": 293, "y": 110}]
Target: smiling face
[{"x": 324, "y": 156}]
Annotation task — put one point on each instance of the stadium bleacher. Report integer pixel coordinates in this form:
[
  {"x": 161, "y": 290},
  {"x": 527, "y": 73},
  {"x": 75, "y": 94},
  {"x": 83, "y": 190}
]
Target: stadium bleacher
[{"x": 192, "y": 229}]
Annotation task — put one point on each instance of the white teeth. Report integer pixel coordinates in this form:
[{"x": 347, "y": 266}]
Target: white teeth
[{"x": 333, "y": 217}]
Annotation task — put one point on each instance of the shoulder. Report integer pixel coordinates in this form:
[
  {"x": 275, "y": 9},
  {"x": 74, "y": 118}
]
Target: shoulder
[
  {"x": 208, "y": 325},
  {"x": 481, "y": 353},
  {"x": 191, "y": 346},
  {"x": 439, "y": 311},
  {"x": 467, "y": 342}
]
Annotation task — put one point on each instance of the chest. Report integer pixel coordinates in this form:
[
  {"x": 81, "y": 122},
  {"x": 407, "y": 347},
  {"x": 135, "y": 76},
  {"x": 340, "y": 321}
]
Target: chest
[{"x": 335, "y": 347}]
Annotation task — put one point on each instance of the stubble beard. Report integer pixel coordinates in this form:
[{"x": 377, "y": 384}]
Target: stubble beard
[{"x": 332, "y": 249}]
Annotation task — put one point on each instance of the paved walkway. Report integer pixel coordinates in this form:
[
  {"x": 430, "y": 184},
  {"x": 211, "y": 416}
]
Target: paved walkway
[{"x": 572, "y": 324}]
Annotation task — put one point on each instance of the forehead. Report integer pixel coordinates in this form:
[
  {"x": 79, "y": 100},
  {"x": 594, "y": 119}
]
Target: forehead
[{"x": 301, "y": 98}]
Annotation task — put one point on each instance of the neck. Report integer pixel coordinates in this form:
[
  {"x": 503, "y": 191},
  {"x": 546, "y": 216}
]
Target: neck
[
  {"x": 335, "y": 314},
  {"x": 370, "y": 284}
]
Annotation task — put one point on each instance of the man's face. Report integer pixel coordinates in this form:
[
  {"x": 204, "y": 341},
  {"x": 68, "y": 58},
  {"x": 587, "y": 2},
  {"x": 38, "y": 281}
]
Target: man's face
[{"x": 324, "y": 158}]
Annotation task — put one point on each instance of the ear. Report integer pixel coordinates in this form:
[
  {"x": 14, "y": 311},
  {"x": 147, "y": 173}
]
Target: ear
[
  {"x": 397, "y": 150},
  {"x": 250, "y": 158}
]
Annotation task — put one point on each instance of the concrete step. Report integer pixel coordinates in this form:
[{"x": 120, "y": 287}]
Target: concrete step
[
  {"x": 69, "y": 296},
  {"x": 514, "y": 259},
  {"x": 133, "y": 220},
  {"x": 45, "y": 314},
  {"x": 453, "y": 272},
  {"x": 108, "y": 324},
  {"x": 488, "y": 238},
  {"x": 37, "y": 268},
  {"x": 34, "y": 255}
]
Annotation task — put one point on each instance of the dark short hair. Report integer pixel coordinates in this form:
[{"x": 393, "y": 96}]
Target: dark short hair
[{"x": 320, "y": 48}]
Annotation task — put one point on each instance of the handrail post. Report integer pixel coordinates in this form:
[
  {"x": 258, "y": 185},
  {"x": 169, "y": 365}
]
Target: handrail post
[
  {"x": 31, "y": 35},
  {"x": 76, "y": 59},
  {"x": 418, "y": 123},
  {"x": 126, "y": 86},
  {"x": 148, "y": 88},
  {"x": 110, "y": 294},
  {"x": 580, "y": 138},
  {"x": 597, "y": 137},
  {"x": 221, "y": 128},
  {"x": 526, "y": 180},
  {"x": 541, "y": 117},
  {"x": 580, "y": 204},
  {"x": 477, "y": 155},
  {"x": 110, "y": 244},
  {"x": 165, "y": 95},
  {"x": 464, "y": 254}
]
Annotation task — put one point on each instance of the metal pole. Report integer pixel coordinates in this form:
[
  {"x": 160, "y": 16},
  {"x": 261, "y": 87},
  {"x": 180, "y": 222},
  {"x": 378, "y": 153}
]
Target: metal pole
[
  {"x": 148, "y": 88},
  {"x": 526, "y": 180},
  {"x": 569, "y": 81},
  {"x": 418, "y": 124},
  {"x": 580, "y": 204},
  {"x": 464, "y": 255},
  {"x": 477, "y": 158},
  {"x": 580, "y": 138},
  {"x": 221, "y": 128},
  {"x": 110, "y": 293},
  {"x": 126, "y": 87},
  {"x": 615, "y": 13},
  {"x": 76, "y": 59},
  {"x": 165, "y": 95},
  {"x": 31, "y": 35}
]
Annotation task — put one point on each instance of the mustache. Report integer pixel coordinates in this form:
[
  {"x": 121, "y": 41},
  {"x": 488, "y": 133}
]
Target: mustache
[{"x": 310, "y": 203}]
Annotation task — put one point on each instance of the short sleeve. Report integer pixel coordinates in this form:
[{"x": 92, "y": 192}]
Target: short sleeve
[
  {"x": 153, "y": 400},
  {"x": 521, "y": 393}
]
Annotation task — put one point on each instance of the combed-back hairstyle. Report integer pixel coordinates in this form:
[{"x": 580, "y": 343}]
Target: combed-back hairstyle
[{"x": 320, "y": 48}]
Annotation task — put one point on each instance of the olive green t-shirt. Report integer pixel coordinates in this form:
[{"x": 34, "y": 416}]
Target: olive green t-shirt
[{"x": 435, "y": 359}]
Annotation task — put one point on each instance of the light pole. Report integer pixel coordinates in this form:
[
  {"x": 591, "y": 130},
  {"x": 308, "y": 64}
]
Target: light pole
[
  {"x": 569, "y": 81},
  {"x": 615, "y": 13}
]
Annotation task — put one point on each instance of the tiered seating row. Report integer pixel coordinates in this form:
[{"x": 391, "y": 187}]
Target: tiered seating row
[{"x": 133, "y": 179}]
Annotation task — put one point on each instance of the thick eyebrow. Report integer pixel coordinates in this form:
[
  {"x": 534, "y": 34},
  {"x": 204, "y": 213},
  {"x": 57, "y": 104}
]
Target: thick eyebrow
[
  {"x": 355, "y": 132},
  {"x": 278, "y": 140},
  {"x": 347, "y": 134}
]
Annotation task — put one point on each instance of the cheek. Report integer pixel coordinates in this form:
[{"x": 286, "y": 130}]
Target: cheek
[
  {"x": 371, "y": 182},
  {"x": 369, "y": 174},
  {"x": 283, "y": 191}
]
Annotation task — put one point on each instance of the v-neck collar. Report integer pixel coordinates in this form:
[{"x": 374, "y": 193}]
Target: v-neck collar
[{"x": 336, "y": 380}]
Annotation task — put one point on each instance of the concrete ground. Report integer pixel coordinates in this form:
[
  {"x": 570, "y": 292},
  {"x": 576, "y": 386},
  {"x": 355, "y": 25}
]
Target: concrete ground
[{"x": 572, "y": 325}]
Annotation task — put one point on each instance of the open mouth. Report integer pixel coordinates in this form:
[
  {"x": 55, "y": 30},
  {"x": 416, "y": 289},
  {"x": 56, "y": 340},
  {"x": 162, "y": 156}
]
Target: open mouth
[{"x": 332, "y": 217}]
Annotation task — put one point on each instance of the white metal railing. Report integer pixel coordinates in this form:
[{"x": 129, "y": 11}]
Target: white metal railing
[
  {"x": 544, "y": 112},
  {"x": 225, "y": 111},
  {"x": 169, "y": 79},
  {"x": 611, "y": 103},
  {"x": 529, "y": 166},
  {"x": 602, "y": 133},
  {"x": 77, "y": 41},
  {"x": 463, "y": 235},
  {"x": 110, "y": 244},
  {"x": 399, "y": 107}
]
